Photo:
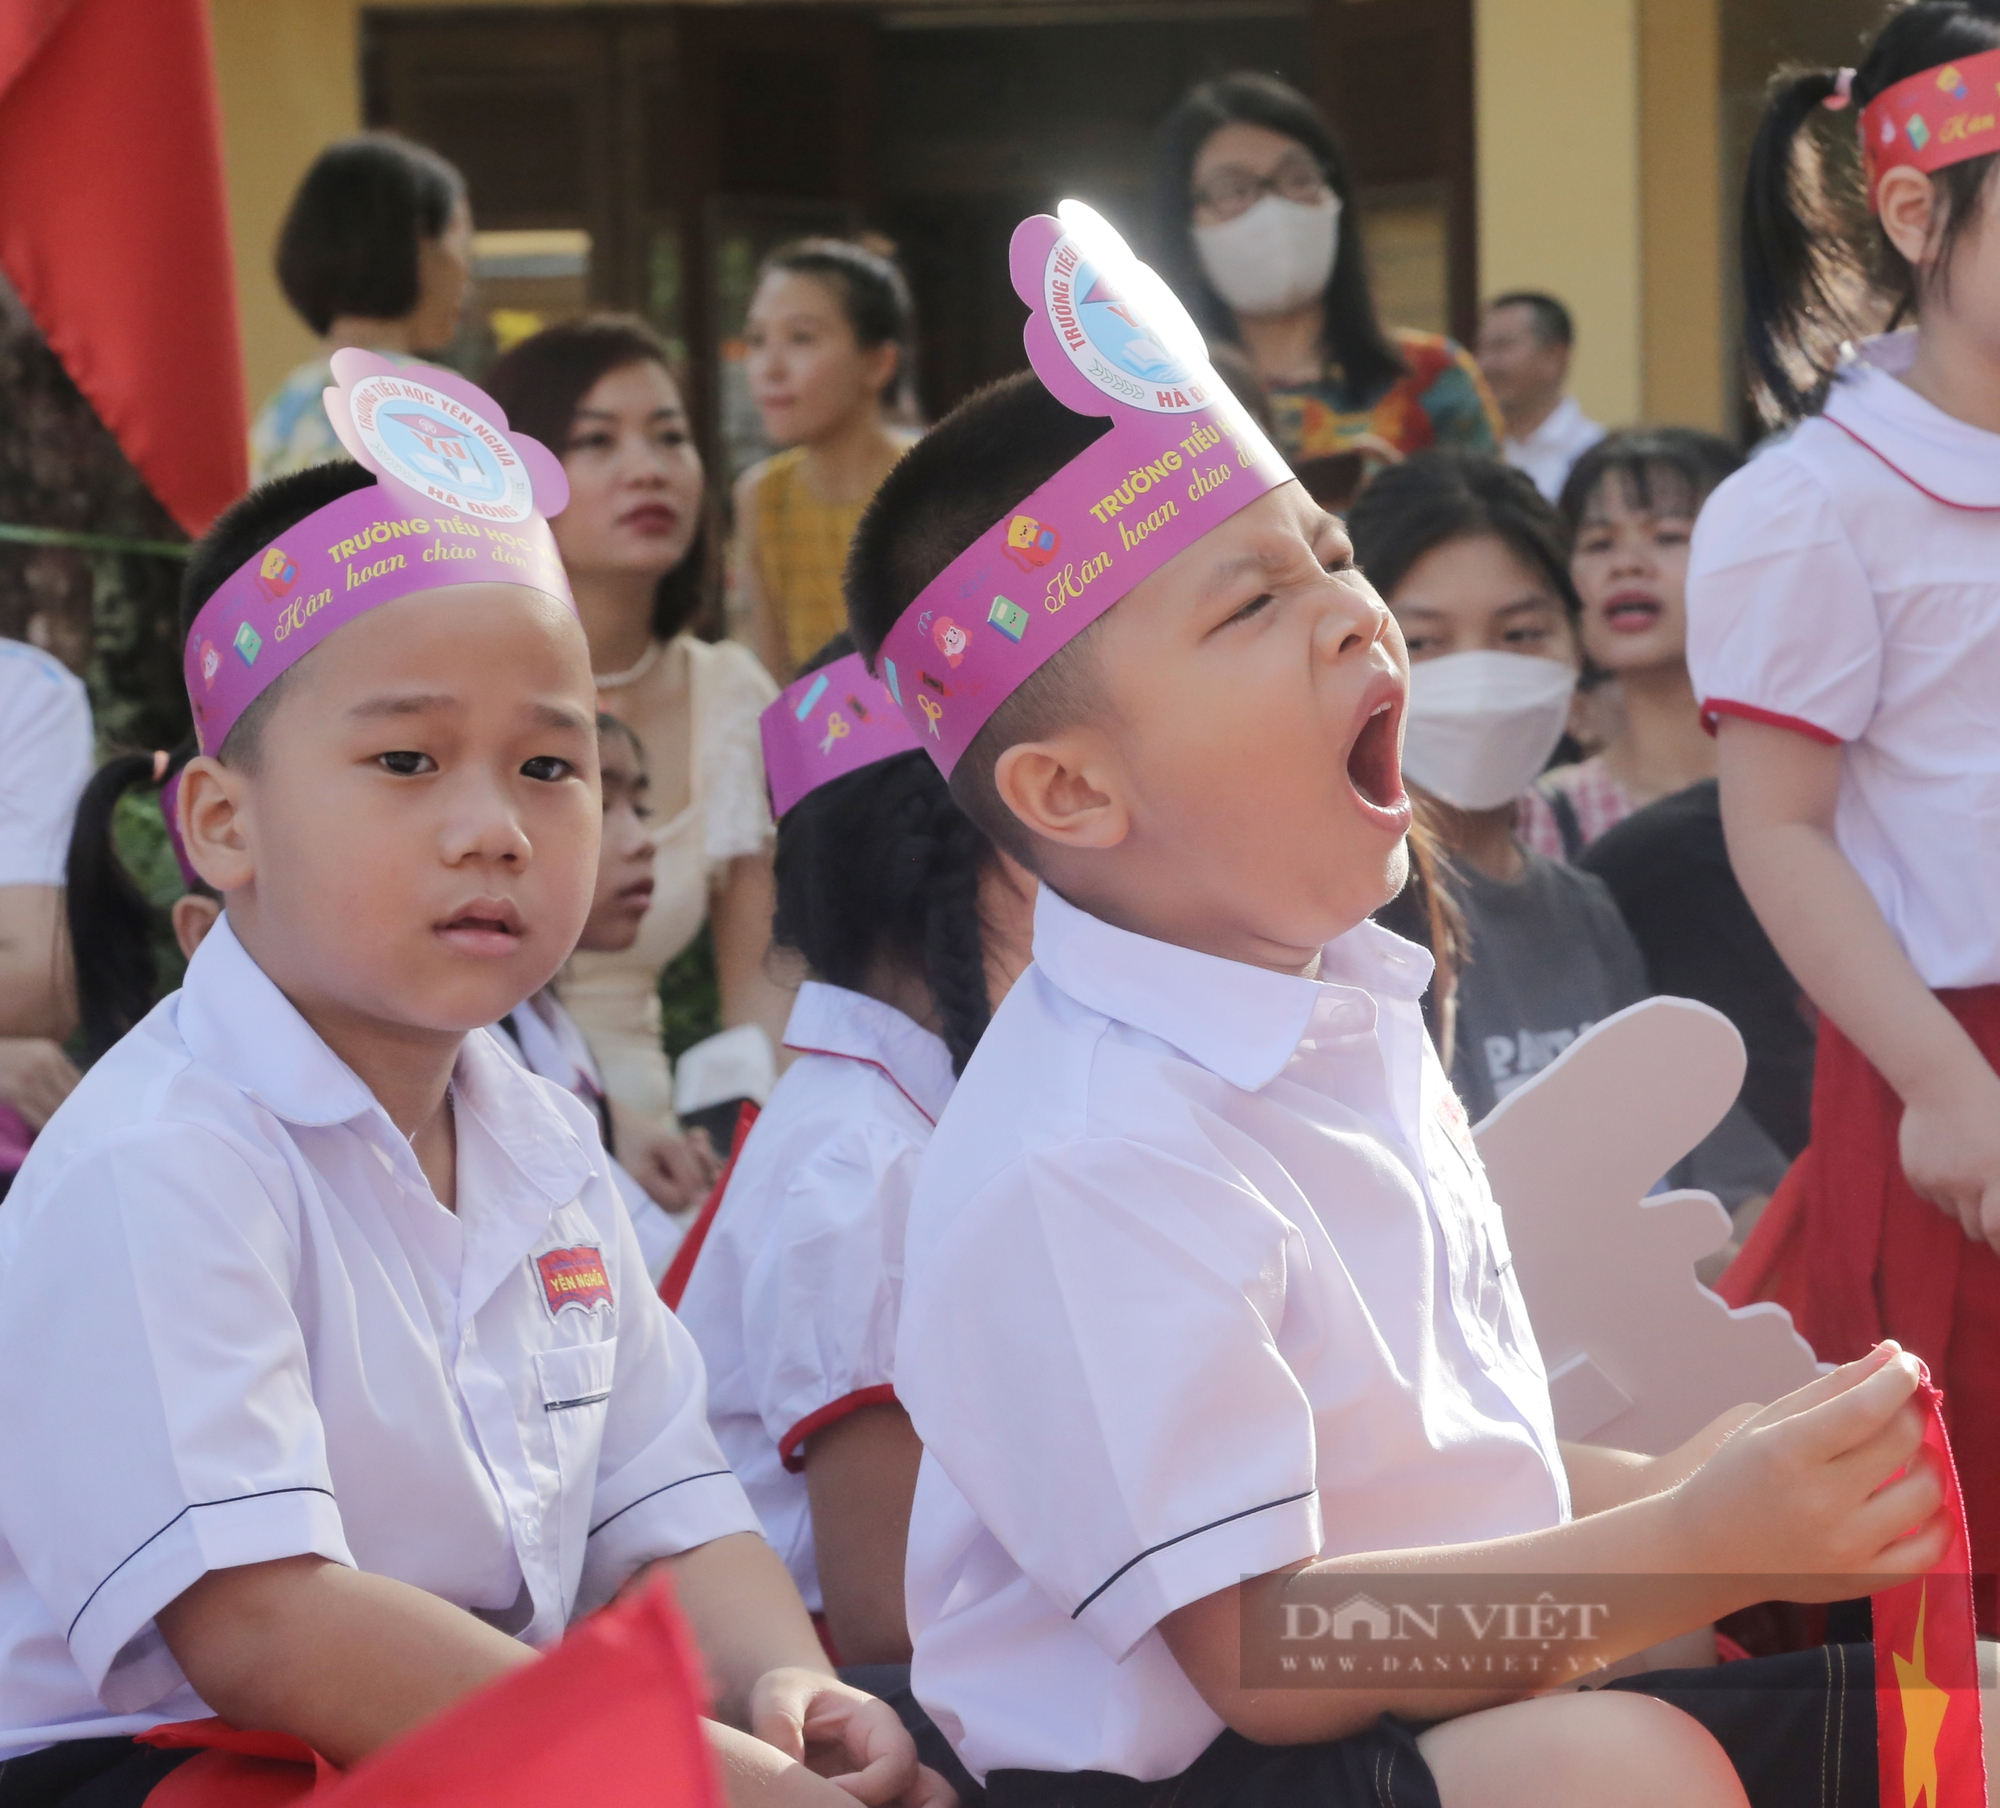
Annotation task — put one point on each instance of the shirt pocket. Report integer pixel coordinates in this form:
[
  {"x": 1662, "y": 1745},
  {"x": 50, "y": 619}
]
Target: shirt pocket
[{"x": 576, "y": 1398}]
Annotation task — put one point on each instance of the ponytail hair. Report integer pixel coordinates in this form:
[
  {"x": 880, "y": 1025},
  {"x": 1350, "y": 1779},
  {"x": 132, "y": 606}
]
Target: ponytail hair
[
  {"x": 111, "y": 922},
  {"x": 879, "y": 868},
  {"x": 1818, "y": 270}
]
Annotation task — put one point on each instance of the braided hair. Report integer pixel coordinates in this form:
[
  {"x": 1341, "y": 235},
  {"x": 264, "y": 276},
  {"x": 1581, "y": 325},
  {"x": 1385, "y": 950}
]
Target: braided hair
[{"x": 880, "y": 868}]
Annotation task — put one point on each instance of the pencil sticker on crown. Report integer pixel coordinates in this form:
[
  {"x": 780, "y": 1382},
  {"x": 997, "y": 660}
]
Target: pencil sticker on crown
[{"x": 440, "y": 440}]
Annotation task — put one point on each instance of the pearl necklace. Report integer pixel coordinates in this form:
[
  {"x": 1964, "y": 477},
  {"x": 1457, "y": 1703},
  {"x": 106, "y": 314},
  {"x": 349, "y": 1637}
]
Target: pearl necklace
[{"x": 611, "y": 681}]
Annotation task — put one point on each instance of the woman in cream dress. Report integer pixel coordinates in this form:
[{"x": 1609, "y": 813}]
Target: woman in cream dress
[{"x": 633, "y": 542}]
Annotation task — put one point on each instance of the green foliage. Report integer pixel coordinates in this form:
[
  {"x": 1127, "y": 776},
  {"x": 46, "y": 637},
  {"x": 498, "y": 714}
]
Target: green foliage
[
  {"x": 690, "y": 998},
  {"x": 140, "y": 836}
]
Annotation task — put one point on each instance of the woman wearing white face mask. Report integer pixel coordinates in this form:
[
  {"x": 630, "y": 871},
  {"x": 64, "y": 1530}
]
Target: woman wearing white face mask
[
  {"x": 1474, "y": 564},
  {"x": 1259, "y": 236}
]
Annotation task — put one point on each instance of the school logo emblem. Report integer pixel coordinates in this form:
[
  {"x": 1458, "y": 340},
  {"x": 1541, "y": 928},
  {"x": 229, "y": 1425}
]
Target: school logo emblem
[
  {"x": 1009, "y": 617},
  {"x": 248, "y": 643},
  {"x": 211, "y": 663},
  {"x": 951, "y": 639},
  {"x": 1029, "y": 543},
  {"x": 440, "y": 448},
  {"x": 574, "y": 1277},
  {"x": 277, "y": 573},
  {"x": 1114, "y": 342}
]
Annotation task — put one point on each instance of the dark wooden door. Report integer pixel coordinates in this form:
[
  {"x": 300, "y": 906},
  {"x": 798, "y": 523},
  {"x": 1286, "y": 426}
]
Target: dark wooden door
[{"x": 1395, "y": 76}]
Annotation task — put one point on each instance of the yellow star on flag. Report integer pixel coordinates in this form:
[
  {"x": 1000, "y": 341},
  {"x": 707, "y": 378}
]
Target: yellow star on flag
[{"x": 1924, "y": 1708}]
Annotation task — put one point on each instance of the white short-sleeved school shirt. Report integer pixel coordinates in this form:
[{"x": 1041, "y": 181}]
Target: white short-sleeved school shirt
[
  {"x": 45, "y": 762},
  {"x": 1202, "y": 1278},
  {"x": 795, "y": 1295},
  {"x": 1846, "y": 584},
  {"x": 236, "y": 1325}
]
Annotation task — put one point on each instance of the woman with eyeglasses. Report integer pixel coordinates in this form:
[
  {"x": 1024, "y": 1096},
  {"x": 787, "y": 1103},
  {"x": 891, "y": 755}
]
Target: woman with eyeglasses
[{"x": 1259, "y": 237}]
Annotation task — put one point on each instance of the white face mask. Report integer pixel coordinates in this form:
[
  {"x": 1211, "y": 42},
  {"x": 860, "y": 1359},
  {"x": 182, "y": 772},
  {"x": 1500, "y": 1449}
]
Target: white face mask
[
  {"x": 1274, "y": 256},
  {"x": 1482, "y": 725}
]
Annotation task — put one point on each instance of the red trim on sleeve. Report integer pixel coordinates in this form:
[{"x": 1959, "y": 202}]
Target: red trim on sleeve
[
  {"x": 674, "y": 1282},
  {"x": 791, "y": 1447},
  {"x": 1749, "y": 712}
]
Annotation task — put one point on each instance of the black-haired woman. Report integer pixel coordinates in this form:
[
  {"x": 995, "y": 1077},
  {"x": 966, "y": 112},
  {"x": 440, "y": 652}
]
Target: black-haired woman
[
  {"x": 827, "y": 346},
  {"x": 376, "y": 252},
  {"x": 1259, "y": 237}
]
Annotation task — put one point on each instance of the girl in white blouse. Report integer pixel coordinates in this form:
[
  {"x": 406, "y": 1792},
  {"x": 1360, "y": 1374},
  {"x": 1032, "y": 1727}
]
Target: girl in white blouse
[{"x": 1844, "y": 638}]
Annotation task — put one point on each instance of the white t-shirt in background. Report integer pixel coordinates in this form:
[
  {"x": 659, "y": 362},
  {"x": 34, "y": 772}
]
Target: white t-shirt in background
[{"x": 45, "y": 762}]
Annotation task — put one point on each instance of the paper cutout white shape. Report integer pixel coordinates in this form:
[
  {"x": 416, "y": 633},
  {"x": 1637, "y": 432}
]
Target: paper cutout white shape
[{"x": 1640, "y": 1355}]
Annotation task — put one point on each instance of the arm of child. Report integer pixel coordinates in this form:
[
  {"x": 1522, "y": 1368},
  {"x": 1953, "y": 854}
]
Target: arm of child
[
  {"x": 861, "y": 1473},
  {"x": 337, "y": 1657},
  {"x": 1808, "y": 1488},
  {"x": 37, "y": 993},
  {"x": 771, "y": 1676},
  {"x": 1779, "y": 789}
]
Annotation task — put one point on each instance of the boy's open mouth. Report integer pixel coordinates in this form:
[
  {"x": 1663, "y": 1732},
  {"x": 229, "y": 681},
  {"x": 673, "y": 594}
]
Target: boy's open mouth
[
  {"x": 488, "y": 926},
  {"x": 1374, "y": 762}
]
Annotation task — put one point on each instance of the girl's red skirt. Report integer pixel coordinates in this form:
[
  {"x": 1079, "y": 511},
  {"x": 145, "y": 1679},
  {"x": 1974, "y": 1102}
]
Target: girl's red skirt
[{"x": 1856, "y": 1256}]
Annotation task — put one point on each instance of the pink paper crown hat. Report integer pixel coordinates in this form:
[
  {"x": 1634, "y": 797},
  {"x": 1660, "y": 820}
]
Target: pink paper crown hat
[
  {"x": 1931, "y": 120},
  {"x": 1106, "y": 336},
  {"x": 827, "y": 724},
  {"x": 458, "y": 499}
]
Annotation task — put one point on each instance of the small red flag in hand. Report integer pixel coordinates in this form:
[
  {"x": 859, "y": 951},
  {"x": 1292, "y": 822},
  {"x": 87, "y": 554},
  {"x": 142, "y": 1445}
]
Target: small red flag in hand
[
  {"x": 612, "y": 1717},
  {"x": 1927, "y": 1726}
]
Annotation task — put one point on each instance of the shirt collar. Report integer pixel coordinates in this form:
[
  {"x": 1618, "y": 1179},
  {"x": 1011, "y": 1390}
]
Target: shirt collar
[
  {"x": 830, "y": 1020},
  {"x": 1563, "y": 421},
  {"x": 1239, "y": 1021},
  {"x": 1948, "y": 459},
  {"x": 234, "y": 1019}
]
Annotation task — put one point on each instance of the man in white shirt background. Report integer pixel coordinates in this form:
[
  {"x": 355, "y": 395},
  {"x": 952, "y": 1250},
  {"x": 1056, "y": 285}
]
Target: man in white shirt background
[{"x": 1523, "y": 350}]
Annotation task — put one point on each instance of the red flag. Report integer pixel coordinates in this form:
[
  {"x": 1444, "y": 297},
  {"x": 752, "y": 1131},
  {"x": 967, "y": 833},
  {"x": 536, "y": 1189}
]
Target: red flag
[
  {"x": 611, "y": 1718},
  {"x": 674, "y": 1282},
  {"x": 115, "y": 230},
  {"x": 1933, "y": 1753}
]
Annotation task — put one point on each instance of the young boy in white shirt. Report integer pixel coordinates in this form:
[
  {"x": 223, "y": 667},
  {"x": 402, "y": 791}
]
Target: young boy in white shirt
[
  {"x": 1206, "y": 1298},
  {"x": 332, "y": 1384}
]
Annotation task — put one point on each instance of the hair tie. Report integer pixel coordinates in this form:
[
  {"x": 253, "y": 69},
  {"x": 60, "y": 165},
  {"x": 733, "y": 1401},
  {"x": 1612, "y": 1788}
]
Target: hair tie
[
  {"x": 1843, "y": 91},
  {"x": 161, "y": 761}
]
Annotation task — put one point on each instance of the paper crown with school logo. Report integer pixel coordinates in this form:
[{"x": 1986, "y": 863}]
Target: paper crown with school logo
[
  {"x": 1106, "y": 337},
  {"x": 458, "y": 498},
  {"x": 1933, "y": 119},
  {"x": 825, "y": 725}
]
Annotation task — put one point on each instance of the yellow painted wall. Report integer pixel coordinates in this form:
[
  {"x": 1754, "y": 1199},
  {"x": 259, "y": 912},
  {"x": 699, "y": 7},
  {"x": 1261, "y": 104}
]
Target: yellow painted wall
[
  {"x": 1557, "y": 84},
  {"x": 1685, "y": 376},
  {"x": 288, "y": 76}
]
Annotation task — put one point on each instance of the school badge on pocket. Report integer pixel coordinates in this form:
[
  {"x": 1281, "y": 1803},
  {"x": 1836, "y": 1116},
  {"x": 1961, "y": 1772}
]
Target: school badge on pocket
[{"x": 574, "y": 1277}]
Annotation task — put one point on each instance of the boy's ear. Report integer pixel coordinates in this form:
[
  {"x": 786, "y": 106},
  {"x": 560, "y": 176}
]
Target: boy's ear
[
  {"x": 212, "y": 806},
  {"x": 1065, "y": 790}
]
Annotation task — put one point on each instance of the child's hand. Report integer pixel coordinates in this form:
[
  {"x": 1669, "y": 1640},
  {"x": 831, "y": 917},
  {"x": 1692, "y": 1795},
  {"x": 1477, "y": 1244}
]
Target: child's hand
[
  {"x": 1950, "y": 1145},
  {"x": 845, "y": 1735},
  {"x": 1826, "y": 1482},
  {"x": 676, "y": 1171}
]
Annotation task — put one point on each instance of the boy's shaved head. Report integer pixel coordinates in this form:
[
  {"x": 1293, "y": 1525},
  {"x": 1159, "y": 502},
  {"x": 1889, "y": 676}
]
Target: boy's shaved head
[{"x": 968, "y": 472}]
